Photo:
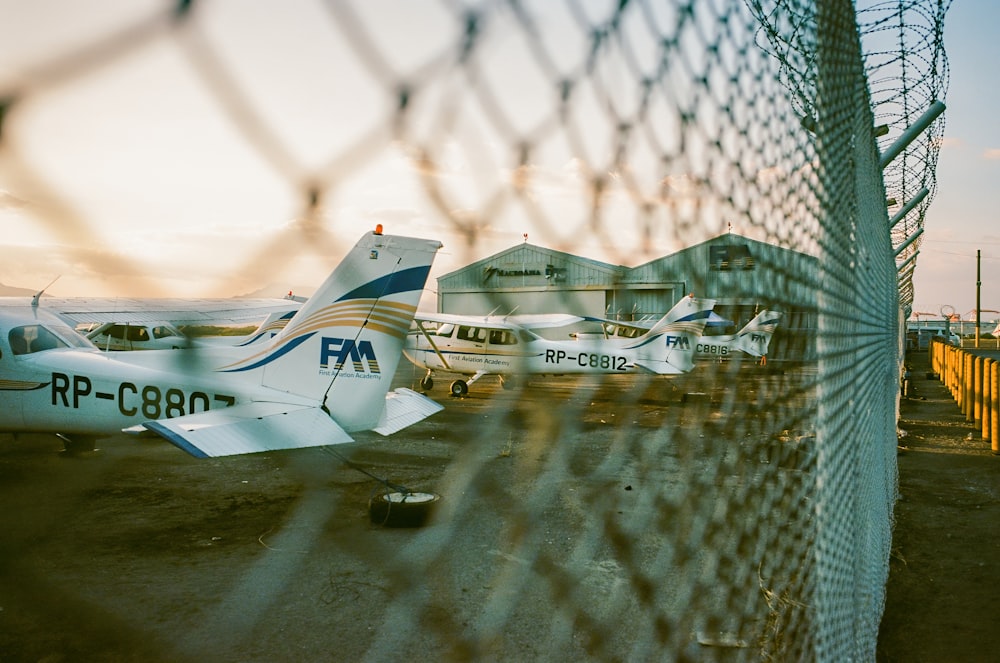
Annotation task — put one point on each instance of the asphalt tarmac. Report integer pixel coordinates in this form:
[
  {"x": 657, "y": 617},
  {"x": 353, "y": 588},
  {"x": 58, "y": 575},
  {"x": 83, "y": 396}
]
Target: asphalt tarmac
[{"x": 138, "y": 552}]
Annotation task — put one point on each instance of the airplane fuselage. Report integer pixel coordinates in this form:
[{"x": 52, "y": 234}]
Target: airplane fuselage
[
  {"x": 537, "y": 356},
  {"x": 94, "y": 393},
  {"x": 719, "y": 347},
  {"x": 326, "y": 374}
]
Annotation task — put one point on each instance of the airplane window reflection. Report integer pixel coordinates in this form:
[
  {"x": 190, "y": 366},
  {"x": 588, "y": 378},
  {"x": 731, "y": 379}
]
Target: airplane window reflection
[
  {"x": 445, "y": 330},
  {"x": 33, "y": 338},
  {"x": 474, "y": 334},
  {"x": 502, "y": 337},
  {"x": 163, "y": 331}
]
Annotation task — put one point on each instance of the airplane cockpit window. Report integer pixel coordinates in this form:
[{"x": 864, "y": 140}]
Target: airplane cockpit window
[
  {"x": 162, "y": 331},
  {"x": 33, "y": 338},
  {"x": 502, "y": 337},
  {"x": 622, "y": 331},
  {"x": 137, "y": 334},
  {"x": 445, "y": 330},
  {"x": 474, "y": 334}
]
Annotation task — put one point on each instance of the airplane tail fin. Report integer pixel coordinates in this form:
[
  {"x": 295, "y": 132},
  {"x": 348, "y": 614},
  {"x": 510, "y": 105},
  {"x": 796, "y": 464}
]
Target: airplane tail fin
[
  {"x": 755, "y": 338},
  {"x": 269, "y": 328},
  {"x": 668, "y": 347},
  {"x": 343, "y": 345}
]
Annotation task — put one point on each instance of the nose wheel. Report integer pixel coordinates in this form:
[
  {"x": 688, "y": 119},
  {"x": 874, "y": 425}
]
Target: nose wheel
[
  {"x": 427, "y": 382},
  {"x": 508, "y": 382},
  {"x": 77, "y": 444}
]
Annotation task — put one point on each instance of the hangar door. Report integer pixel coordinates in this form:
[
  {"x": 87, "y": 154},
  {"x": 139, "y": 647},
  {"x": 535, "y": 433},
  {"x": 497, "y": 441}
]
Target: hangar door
[
  {"x": 636, "y": 303},
  {"x": 577, "y": 302}
]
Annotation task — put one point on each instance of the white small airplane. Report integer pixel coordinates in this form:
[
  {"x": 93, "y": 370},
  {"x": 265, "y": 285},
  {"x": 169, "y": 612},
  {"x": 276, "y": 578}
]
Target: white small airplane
[
  {"x": 163, "y": 335},
  {"x": 754, "y": 339},
  {"x": 478, "y": 346},
  {"x": 325, "y": 375},
  {"x": 138, "y": 336},
  {"x": 193, "y": 311},
  {"x": 128, "y": 323}
]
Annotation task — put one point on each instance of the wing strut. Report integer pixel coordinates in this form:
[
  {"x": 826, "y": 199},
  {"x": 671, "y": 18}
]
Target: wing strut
[{"x": 444, "y": 362}]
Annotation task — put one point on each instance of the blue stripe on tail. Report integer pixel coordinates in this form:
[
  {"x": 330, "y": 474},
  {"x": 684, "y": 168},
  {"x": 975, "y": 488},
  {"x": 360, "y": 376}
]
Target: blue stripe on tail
[{"x": 406, "y": 280}]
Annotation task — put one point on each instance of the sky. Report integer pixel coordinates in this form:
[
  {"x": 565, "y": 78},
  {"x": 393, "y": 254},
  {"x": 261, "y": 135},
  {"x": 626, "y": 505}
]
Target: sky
[
  {"x": 965, "y": 215},
  {"x": 133, "y": 174}
]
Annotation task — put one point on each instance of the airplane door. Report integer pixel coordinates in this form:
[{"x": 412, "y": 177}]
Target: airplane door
[
  {"x": 501, "y": 340},
  {"x": 471, "y": 340},
  {"x": 501, "y": 351}
]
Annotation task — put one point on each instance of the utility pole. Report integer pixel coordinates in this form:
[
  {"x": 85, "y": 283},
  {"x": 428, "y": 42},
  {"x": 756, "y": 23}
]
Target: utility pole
[{"x": 979, "y": 287}]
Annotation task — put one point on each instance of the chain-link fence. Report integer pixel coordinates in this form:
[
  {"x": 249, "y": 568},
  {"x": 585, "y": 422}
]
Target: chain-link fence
[{"x": 752, "y": 522}]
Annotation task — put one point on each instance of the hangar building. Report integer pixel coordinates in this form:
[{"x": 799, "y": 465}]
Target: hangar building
[{"x": 744, "y": 275}]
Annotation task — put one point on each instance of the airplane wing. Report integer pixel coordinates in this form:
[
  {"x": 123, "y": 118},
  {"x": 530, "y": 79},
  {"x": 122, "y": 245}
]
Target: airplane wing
[
  {"x": 178, "y": 311},
  {"x": 262, "y": 426},
  {"x": 404, "y": 407},
  {"x": 248, "y": 428},
  {"x": 714, "y": 320}
]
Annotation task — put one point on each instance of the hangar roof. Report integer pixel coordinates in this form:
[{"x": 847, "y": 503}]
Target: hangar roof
[{"x": 531, "y": 261}]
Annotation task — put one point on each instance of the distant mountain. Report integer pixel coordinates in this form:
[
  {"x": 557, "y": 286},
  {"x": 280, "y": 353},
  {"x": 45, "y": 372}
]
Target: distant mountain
[
  {"x": 272, "y": 292},
  {"x": 11, "y": 291}
]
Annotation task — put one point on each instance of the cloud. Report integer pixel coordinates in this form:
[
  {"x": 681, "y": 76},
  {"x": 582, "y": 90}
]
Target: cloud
[
  {"x": 992, "y": 153},
  {"x": 945, "y": 142},
  {"x": 10, "y": 201}
]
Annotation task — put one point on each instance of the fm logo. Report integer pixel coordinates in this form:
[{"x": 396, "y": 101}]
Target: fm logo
[
  {"x": 678, "y": 342},
  {"x": 342, "y": 349}
]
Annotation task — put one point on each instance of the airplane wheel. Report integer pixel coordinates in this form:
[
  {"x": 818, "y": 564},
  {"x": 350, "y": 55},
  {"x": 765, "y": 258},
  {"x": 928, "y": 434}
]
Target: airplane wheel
[
  {"x": 508, "y": 382},
  {"x": 427, "y": 383},
  {"x": 78, "y": 444},
  {"x": 398, "y": 509},
  {"x": 459, "y": 388}
]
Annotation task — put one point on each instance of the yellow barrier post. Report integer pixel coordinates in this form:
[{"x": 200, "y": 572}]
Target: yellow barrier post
[
  {"x": 966, "y": 388},
  {"x": 950, "y": 370},
  {"x": 976, "y": 406},
  {"x": 958, "y": 367},
  {"x": 952, "y": 373},
  {"x": 970, "y": 387},
  {"x": 987, "y": 398},
  {"x": 995, "y": 407},
  {"x": 948, "y": 366}
]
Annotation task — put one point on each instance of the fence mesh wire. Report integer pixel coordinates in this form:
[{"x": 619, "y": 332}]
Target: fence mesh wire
[{"x": 753, "y": 524}]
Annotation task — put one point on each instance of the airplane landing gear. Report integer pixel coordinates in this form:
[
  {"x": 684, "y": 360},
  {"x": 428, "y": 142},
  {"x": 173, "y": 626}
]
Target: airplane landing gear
[
  {"x": 508, "y": 382},
  {"x": 77, "y": 444},
  {"x": 459, "y": 388},
  {"x": 427, "y": 382}
]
